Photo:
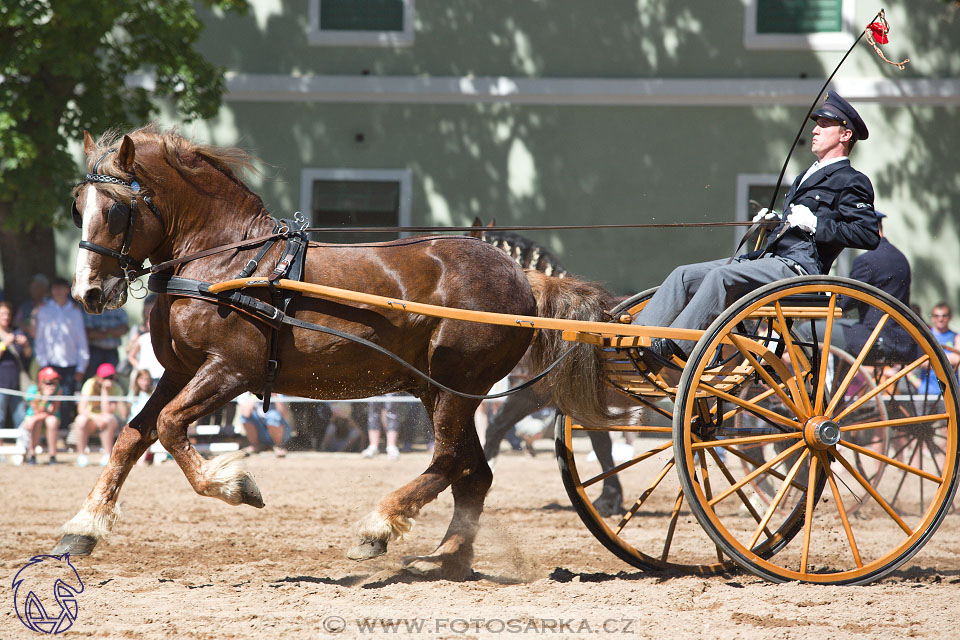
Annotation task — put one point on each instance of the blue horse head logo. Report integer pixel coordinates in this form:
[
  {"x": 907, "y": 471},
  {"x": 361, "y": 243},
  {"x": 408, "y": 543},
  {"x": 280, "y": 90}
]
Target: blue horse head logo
[{"x": 37, "y": 609}]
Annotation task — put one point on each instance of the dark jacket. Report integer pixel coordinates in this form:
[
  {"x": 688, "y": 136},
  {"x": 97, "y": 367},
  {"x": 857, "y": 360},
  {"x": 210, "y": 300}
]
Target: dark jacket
[
  {"x": 842, "y": 199},
  {"x": 887, "y": 269}
]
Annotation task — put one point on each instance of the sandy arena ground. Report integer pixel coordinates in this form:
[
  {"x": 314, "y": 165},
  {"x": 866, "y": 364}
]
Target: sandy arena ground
[{"x": 179, "y": 565}]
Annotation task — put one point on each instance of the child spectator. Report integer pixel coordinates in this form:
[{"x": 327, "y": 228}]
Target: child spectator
[
  {"x": 141, "y": 391},
  {"x": 384, "y": 415},
  {"x": 99, "y": 411},
  {"x": 42, "y": 411}
]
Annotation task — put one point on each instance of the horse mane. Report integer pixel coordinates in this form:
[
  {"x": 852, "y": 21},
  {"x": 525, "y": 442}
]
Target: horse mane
[
  {"x": 180, "y": 153},
  {"x": 528, "y": 253}
]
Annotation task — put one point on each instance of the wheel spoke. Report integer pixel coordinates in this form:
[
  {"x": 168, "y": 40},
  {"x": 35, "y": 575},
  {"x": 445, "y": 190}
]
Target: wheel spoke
[
  {"x": 772, "y": 437},
  {"x": 708, "y": 490},
  {"x": 756, "y": 472},
  {"x": 840, "y": 509},
  {"x": 822, "y": 369},
  {"x": 643, "y": 496},
  {"x": 893, "y": 422},
  {"x": 627, "y": 464},
  {"x": 672, "y": 527},
  {"x": 796, "y": 359},
  {"x": 618, "y": 428},
  {"x": 873, "y": 492},
  {"x": 880, "y": 388},
  {"x": 748, "y": 406},
  {"x": 778, "y": 498},
  {"x": 773, "y": 384},
  {"x": 756, "y": 463},
  {"x": 743, "y": 497},
  {"x": 890, "y": 461},
  {"x": 855, "y": 367},
  {"x": 808, "y": 514}
]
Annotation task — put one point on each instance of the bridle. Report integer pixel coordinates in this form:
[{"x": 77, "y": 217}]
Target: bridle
[{"x": 120, "y": 218}]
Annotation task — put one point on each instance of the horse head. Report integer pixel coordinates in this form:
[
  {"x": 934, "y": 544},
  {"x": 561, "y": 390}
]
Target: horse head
[{"x": 115, "y": 238}]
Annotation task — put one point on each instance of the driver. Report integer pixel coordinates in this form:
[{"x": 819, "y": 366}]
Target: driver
[{"x": 828, "y": 207}]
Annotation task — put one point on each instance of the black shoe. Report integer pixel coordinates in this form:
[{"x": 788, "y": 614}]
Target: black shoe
[
  {"x": 658, "y": 354},
  {"x": 30, "y": 460},
  {"x": 52, "y": 460}
]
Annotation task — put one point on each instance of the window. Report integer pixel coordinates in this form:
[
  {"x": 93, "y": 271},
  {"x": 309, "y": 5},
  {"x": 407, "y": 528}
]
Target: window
[
  {"x": 799, "y": 24},
  {"x": 355, "y": 198},
  {"x": 364, "y": 23}
]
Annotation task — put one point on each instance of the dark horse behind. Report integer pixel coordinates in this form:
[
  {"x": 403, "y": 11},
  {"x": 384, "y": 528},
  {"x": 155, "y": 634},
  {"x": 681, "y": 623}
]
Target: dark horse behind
[{"x": 158, "y": 196}]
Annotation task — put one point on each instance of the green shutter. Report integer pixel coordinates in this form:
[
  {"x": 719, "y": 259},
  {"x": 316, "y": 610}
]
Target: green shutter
[
  {"x": 799, "y": 16},
  {"x": 361, "y": 15}
]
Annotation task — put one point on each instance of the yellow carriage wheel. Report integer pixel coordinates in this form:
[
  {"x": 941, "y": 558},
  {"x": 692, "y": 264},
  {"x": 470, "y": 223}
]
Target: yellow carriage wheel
[
  {"x": 839, "y": 364},
  {"x": 654, "y": 529},
  {"x": 820, "y": 427}
]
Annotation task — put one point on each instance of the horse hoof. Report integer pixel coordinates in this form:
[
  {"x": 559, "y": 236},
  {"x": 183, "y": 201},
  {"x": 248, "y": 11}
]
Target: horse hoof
[
  {"x": 75, "y": 545},
  {"x": 367, "y": 549},
  {"x": 250, "y": 492},
  {"x": 608, "y": 505}
]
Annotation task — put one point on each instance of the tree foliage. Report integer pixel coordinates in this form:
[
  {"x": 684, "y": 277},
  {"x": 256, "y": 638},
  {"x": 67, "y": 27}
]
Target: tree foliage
[{"x": 64, "y": 67}]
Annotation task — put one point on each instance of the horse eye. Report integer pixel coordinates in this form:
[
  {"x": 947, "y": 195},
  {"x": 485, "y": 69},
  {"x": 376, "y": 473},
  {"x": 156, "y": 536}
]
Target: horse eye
[{"x": 77, "y": 218}]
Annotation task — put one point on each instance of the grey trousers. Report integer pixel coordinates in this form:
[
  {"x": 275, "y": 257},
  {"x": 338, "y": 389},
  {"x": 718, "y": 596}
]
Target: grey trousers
[{"x": 694, "y": 295}]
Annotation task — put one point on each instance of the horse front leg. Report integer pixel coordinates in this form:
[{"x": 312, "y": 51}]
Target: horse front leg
[
  {"x": 99, "y": 513},
  {"x": 224, "y": 477}
]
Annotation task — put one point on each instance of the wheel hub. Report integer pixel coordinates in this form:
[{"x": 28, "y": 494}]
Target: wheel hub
[{"x": 821, "y": 433}]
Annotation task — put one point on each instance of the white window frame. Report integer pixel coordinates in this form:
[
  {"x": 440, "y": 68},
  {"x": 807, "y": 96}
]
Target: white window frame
[
  {"x": 824, "y": 41},
  {"x": 337, "y": 38},
  {"x": 402, "y": 176}
]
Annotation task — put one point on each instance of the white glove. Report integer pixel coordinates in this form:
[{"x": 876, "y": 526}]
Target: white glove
[
  {"x": 765, "y": 215},
  {"x": 802, "y": 218}
]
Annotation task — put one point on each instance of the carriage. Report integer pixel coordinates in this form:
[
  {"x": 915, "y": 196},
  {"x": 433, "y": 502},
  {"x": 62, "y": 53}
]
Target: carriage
[{"x": 768, "y": 448}]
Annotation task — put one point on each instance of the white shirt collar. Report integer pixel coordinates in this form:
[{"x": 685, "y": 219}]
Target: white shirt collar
[{"x": 816, "y": 166}]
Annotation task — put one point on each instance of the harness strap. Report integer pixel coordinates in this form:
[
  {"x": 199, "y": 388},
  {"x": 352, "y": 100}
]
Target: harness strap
[{"x": 273, "y": 317}]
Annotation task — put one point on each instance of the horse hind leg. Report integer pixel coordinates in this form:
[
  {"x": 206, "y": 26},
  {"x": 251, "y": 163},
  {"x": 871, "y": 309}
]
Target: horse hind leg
[{"x": 99, "y": 512}]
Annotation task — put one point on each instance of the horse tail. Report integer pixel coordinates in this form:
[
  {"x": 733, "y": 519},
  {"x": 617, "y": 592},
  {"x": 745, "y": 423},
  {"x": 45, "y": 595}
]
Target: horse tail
[{"x": 577, "y": 382}]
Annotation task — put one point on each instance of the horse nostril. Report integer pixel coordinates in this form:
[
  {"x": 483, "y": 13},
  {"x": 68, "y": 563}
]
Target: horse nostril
[{"x": 93, "y": 298}]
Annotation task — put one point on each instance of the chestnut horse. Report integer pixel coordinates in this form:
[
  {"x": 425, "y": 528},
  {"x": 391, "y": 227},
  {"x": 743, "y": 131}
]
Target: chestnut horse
[{"x": 156, "y": 195}]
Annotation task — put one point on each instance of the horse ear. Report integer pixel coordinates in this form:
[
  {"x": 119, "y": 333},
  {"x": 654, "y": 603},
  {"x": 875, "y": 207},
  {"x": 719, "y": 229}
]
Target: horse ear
[
  {"x": 88, "y": 144},
  {"x": 476, "y": 223},
  {"x": 492, "y": 223},
  {"x": 125, "y": 155}
]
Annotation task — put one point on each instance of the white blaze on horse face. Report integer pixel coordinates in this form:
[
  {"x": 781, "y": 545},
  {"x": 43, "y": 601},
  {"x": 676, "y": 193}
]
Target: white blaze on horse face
[{"x": 84, "y": 271}]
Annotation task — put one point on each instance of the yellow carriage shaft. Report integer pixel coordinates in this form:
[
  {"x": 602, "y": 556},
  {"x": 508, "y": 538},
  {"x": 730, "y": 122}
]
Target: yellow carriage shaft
[{"x": 598, "y": 333}]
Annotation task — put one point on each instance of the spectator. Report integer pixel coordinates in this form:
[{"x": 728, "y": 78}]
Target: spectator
[
  {"x": 940, "y": 326},
  {"x": 100, "y": 412},
  {"x": 14, "y": 356},
  {"x": 41, "y": 411},
  {"x": 383, "y": 415},
  {"x": 61, "y": 342},
  {"x": 887, "y": 269},
  {"x": 264, "y": 430},
  {"x": 39, "y": 289},
  {"x": 125, "y": 368},
  {"x": 140, "y": 353},
  {"x": 342, "y": 432},
  {"x": 104, "y": 332},
  {"x": 141, "y": 390}
]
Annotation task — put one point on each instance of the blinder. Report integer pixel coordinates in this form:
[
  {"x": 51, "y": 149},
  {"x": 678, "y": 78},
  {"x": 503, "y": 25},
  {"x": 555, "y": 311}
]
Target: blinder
[{"x": 118, "y": 217}]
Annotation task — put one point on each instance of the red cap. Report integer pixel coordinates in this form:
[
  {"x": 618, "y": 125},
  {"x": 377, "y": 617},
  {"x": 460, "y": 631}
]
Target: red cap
[
  {"x": 105, "y": 370},
  {"x": 48, "y": 374}
]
